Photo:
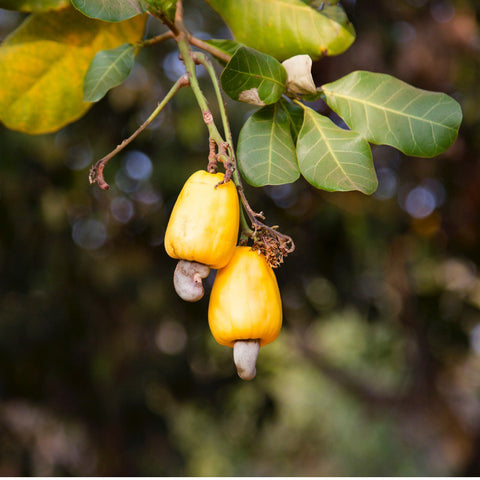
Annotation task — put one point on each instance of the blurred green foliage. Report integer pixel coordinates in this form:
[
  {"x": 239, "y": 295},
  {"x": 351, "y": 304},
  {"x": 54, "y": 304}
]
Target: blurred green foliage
[{"x": 104, "y": 371}]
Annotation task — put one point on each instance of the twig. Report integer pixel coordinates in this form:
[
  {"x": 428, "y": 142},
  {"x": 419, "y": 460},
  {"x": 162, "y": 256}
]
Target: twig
[
  {"x": 96, "y": 172},
  {"x": 216, "y": 52},
  {"x": 228, "y": 147},
  {"x": 181, "y": 37},
  {"x": 164, "y": 20},
  {"x": 155, "y": 40}
]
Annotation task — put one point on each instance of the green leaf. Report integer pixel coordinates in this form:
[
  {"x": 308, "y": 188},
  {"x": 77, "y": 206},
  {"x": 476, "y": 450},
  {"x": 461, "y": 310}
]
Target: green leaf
[
  {"x": 284, "y": 28},
  {"x": 386, "y": 110},
  {"x": 226, "y": 46},
  {"x": 266, "y": 152},
  {"x": 334, "y": 159},
  {"x": 253, "y": 77},
  {"x": 43, "y": 65},
  {"x": 163, "y": 8},
  {"x": 110, "y": 10},
  {"x": 33, "y": 5},
  {"x": 294, "y": 115},
  {"x": 108, "y": 69}
]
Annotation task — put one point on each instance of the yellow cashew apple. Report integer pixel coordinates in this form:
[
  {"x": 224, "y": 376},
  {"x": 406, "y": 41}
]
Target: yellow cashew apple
[
  {"x": 203, "y": 226},
  {"x": 203, "y": 229},
  {"x": 245, "y": 309}
]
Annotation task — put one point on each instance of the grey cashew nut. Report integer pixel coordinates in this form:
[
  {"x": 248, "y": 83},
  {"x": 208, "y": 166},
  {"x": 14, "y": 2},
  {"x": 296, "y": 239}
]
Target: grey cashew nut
[
  {"x": 245, "y": 353},
  {"x": 187, "y": 280}
]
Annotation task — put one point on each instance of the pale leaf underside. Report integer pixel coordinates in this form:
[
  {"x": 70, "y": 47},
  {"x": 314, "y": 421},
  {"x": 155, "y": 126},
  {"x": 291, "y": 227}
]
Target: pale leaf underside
[
  {"x": 334, "y": 159},
  {"x": 266, "y": 152},
  {"x": 386, "y": 110}
]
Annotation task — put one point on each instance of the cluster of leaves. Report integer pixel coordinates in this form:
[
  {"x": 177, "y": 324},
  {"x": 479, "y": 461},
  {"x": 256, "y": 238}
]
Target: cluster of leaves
[{"x": 82, "y": 58}]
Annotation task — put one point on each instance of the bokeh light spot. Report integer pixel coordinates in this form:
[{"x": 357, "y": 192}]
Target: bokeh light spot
[
  {"x": 122, "y": 209},
  {"x": 137, "y": 165},
  {"x": 171, "y": 337},
  {"x": 89, "y": 234},
  {"x": 284, "y": 196},
  {"x": 321, "y": 293},
  {"x": 79, "y": 157},
  {"x": 420, "y": 202},
  {"x": 173, "y": 66},
  {"x": 442, "y": 11},
  {"x": 125, "y": 183},
  {"x": 147, "y": 195},
  {"x": 403, "y": 32}
]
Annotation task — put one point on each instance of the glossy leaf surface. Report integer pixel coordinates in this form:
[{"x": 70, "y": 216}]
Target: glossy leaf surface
[
  {"x": 110, "y": 10},
  {"x": 266, "y": 151},
  {"x": 386, "y": 110},
  {"x": 108, "y": 69},
  {"x": 43, "y": 65},
  {"x": 284, "y": 28},
  {"x": 253, "y": 77},
  {"x": 334, "y": 159}
]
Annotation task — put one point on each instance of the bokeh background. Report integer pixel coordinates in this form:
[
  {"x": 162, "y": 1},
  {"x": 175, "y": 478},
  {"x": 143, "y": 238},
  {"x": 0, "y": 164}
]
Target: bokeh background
[{"x": 105, "y": 371}]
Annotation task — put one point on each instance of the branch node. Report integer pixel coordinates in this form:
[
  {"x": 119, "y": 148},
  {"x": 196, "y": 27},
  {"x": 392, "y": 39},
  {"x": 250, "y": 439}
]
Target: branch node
[
  {"x": 212, "y": 156},
  {"x": 207, "y": 117}
]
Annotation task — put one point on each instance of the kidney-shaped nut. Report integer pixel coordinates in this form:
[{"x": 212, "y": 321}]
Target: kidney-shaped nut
[
  {"x": 245, "y": 353},
  {"x": 187, "y": 280}
]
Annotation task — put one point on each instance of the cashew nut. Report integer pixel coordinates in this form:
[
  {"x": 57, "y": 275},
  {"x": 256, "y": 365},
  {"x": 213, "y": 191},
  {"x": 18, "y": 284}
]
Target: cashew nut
[
  {"x": 245, "y": 353},
  {"x": 187, "y": 280}
]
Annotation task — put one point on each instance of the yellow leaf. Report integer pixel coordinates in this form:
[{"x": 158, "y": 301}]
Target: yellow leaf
[{"x": 43, "y": 64}]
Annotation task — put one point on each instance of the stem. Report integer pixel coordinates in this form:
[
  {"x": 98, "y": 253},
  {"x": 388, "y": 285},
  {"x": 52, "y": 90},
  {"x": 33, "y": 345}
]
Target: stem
[
  {"x": 202, "y": 59},
  {"x": 216, "y": 52},
  {"x": 286, "y": 242},
  {"x": 273, "y": 244},
  {"x": 96, "y": 172},
  {"x": 164, "y": 20},
  {"x": 155, "y": 40},
  {"x": 183, "y": 45}
]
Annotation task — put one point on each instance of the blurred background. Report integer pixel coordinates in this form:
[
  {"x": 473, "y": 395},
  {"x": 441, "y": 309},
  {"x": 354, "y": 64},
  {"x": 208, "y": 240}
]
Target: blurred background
[{"x": 105, "y": 371}]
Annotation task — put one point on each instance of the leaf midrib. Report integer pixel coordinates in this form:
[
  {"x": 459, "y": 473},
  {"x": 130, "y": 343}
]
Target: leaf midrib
[
  {"x": 109, "y": 69},
  {"x": 331, "y": 151},
  {"x": 386, "y": 109},
  {"x": 255, "y": 75}
]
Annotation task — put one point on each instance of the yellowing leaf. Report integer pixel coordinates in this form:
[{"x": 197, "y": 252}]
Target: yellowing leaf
[{"x": 43, "y": 65}]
